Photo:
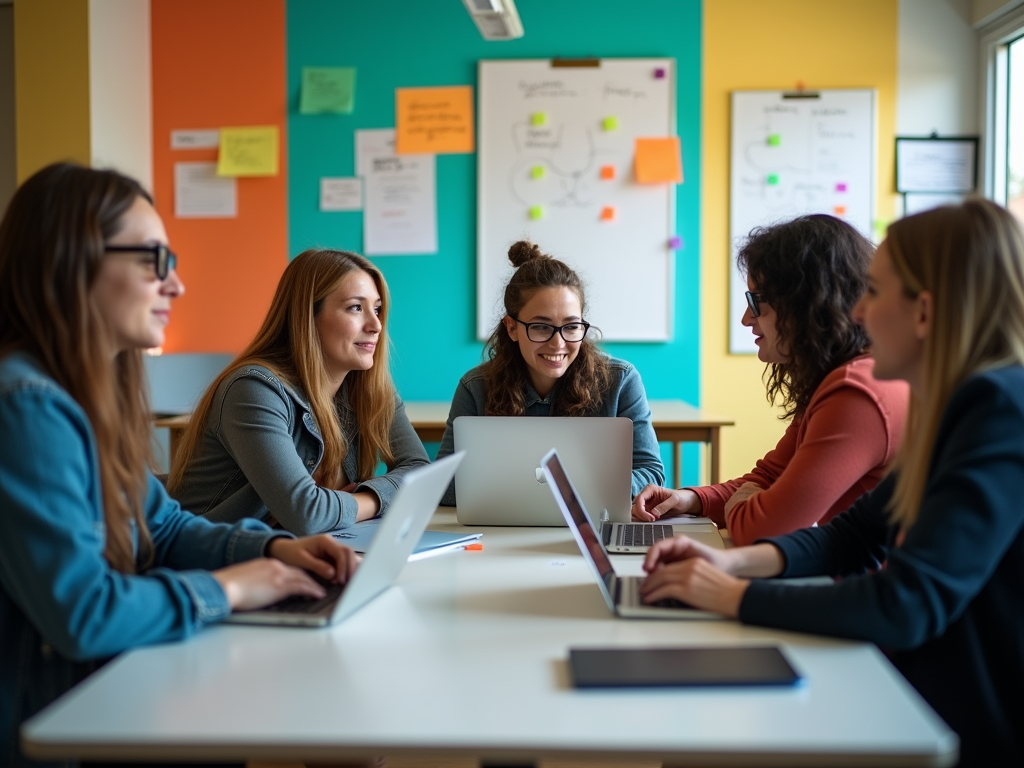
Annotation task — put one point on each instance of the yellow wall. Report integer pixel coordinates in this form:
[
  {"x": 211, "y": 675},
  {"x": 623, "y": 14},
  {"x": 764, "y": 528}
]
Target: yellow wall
[
  {"x": 51, "y": 83},
  {"x": 775, "y": 44}
]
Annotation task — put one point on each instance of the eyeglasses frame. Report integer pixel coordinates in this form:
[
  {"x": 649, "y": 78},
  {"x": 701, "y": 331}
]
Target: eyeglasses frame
[
  {"x": 556, "y": 329},
  {"x": 754, "y": 300},
  {"x": 166, "y": 259}
]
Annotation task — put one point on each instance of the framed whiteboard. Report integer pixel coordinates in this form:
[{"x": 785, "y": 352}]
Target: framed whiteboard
[
  {"x": 793, "y": 154},
  {"x": 547, "y": 136}
]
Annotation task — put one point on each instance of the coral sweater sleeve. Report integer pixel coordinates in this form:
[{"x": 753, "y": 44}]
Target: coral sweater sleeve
[{"x": 820, "y": 459}]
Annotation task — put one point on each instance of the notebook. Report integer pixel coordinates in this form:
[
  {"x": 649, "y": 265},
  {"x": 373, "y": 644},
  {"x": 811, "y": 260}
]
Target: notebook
[
  {"x": 397, "y": 536},
  {"x": 621, "y": 593},
  {"x": 500, "y": 483},
  {"x": 673, "y": 667},
  {"x": 361, "y": 535}
]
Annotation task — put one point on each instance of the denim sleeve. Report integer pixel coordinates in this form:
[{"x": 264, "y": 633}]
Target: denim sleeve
[
  {"x": 463, "y": 404},
  {"x": 52, "y": 539},
  {"x": 409, "y": 454},
  {"x": 632, "y": 403},
  {"x": 256, "y": 430}
]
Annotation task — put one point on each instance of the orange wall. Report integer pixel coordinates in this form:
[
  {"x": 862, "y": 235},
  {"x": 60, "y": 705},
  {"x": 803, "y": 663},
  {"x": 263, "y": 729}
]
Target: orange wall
[{"x": 220, "y": 64}]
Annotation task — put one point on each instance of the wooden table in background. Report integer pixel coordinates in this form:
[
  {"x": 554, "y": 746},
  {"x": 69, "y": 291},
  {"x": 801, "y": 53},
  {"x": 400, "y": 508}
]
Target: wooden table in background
[{"x": 674, "y": 422}]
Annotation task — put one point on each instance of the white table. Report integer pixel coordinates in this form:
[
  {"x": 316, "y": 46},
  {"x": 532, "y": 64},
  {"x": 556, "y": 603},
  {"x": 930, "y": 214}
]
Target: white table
[{"x": 467, "y": 657}]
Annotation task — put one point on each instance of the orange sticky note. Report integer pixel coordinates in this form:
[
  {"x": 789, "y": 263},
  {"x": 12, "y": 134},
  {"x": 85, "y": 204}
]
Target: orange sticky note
[
  {"x": 608, "y": 213},
  {"x": 839, "y": 210},
  {"x": 658, "y": 161},
  {"x": 434, "y": 121},
  {"x": 607, "y": 172},
  {"x": 474, "y": 547}
]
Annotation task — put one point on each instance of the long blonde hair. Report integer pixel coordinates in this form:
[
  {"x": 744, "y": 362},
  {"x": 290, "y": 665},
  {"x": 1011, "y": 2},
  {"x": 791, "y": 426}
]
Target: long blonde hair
[
  {"x": 970, "y": 258},
  {"x": 288, "y": 344},
  {"x": 52, "y": 241}
]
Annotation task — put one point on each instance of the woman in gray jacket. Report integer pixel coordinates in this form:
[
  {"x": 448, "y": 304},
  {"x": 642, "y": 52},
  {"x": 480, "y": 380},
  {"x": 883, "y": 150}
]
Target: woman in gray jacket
[{"x": 293, "y": 431}]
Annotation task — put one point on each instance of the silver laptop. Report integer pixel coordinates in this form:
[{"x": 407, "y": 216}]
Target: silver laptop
[
  {"x": 500, "y": 482},
  {"x": 621, "y": 593},
  {"x": 637, "y": 538},
  {"x": 400, "y": 531}
]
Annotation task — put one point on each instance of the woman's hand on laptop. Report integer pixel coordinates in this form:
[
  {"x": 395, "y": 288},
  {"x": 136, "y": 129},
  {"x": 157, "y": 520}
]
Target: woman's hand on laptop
[
  {"x": 683, "y": 569},
  {"x": 655, "y": 502},
  {"x": 322, "y": 554},
  {"x": 264, "y": 581}
]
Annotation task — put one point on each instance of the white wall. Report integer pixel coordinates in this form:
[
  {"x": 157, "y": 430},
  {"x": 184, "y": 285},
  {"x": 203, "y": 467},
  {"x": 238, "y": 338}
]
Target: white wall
[{"x": 120, "y": 87}]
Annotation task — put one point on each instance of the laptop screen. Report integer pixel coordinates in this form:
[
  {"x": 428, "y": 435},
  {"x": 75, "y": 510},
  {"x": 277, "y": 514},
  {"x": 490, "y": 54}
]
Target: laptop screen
[{"x": 580, "y": 520}]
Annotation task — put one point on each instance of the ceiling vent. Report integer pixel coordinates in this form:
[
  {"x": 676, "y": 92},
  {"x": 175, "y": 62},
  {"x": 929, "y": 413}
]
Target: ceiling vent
[{"x": 496, "y": 19}]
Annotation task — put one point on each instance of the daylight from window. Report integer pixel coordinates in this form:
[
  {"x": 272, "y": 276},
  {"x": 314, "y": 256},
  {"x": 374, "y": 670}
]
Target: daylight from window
[{"x": 1015, "y": 129}]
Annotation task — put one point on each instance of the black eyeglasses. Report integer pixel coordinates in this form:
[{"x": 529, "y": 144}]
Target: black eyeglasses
[
  {"x": 754, "y": 302},
  {"x": 541, "y": 332},
  {"x": 163, "y": 258}
]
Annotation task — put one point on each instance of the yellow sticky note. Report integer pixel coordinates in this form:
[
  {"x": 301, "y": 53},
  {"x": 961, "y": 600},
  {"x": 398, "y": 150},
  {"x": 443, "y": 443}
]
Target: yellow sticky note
[
  {"x": 248, "y": 151},
  {"x": 608, "y": 172},
  {"x": 537, "y": 172},
  {"x": 658, "y": 161},
  {"x": 608, "y": 213},
  {"x": 434, "y": 121},
  {"x": 538, "y": 118},
  {"x": 536, "y": 211}
]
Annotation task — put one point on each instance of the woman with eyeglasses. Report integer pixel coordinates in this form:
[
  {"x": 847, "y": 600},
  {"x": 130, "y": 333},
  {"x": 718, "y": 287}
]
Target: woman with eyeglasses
[
  {"x": 804, "y": 277},
  {"x": 95, "y": 558},
  {"x": 542, "y": 361},
  {"x": 293, "y": 431},
  {"x": 944, "y": 310}
]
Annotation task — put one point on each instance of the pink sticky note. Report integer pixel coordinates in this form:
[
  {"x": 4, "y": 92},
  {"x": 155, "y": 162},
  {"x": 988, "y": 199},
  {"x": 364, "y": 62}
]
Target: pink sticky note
[
  {"x": 841, "y": 187},
  {"x": 659, "y": 73},
  {"x": 675, "y": 243}
]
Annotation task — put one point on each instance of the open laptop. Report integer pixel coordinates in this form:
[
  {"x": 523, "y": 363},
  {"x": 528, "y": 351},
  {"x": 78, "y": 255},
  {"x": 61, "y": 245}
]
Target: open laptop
[
  {"x": 399, "y": 532},
  {"x": 621, "y": 593},
  {"x": 499, "y": 483}
]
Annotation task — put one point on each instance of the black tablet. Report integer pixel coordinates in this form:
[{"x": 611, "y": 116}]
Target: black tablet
[{"x": 667, "y": 667}]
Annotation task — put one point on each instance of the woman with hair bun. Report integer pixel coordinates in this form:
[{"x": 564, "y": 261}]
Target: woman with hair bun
[{"x": 542, "y": 361}]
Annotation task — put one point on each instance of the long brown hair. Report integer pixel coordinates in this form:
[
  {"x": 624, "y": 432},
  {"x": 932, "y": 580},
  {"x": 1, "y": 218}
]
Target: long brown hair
[
  {"x": 970, "y": 258},
  {"x": 580, "y": 391},
  {"x": 287, "y": 343},
  {"x": 52, "y": 241},
  {"x": 812, "y": 270}
]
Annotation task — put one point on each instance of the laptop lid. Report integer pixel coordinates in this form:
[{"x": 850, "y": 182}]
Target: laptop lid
[
  {"x": 499, "y": 484},
  {"x": 397, "y": 536}
]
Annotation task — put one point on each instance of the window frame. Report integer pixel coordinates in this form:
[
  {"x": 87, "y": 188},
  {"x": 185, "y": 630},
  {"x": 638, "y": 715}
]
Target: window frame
[{"x": 994, "y": 40}]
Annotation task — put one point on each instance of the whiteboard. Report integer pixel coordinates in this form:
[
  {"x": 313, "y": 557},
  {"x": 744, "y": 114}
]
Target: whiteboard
[
  {"x": 794, "y": 154},
  {"x": 533, "y": 115}
]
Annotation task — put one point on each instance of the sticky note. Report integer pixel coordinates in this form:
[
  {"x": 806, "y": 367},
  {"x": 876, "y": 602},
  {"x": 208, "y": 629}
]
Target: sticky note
[
  {"x": 608, "y": 213},
  {"x": 840, "y": 187},
  {"x": 774, "y": 140},
  {"x": 773, "y": 179},
  {"x": 537, "y": 172},
  {"x": 607, "y": 172},
  {"x": 659, "y": 73},
  {"x": 610, "y": 123},
  {"x": 248, "y": 151},
  {"x": 536, "y": 211},
  {"x": 658, "y": 161},
  {"x": 434, "y": 121},
  {"x": 539, "y": 118},
  {"x": 675, "y": 243},
  {"x": 327, "y": 90},
  {"x": 839, "y": 210}
]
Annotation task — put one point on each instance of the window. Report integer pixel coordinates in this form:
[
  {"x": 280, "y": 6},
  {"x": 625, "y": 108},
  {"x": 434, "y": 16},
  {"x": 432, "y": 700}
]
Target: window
[
  {"x": 1014, "y": 195},
  {"x": 1003, "y": 47}
]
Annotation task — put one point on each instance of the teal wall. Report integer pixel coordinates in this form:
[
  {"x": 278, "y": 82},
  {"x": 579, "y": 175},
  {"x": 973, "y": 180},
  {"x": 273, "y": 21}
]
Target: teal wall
[{"x": 402, "y": 43}]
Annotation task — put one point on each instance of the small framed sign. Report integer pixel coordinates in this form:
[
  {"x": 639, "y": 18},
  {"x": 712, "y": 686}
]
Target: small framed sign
[{"x": 936, "y": 164}]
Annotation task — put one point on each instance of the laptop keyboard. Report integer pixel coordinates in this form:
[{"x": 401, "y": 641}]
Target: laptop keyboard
[
  {"x": 641, "y": 534},
  {"x": 308, "y": 605}
]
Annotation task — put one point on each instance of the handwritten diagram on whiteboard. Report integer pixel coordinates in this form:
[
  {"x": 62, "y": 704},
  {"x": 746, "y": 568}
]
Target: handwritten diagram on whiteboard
[
  {"x": 556, "y": 166},
  {"x": 794, "y": 154}
]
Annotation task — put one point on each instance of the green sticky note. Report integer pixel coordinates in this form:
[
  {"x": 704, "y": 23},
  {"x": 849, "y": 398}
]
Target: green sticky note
[
  {"x": 536, "y": 211},
  {"x": 537, "y": 172},
  {"x": 773, "y": 179},
  {"x": 327, "y": 90},
  {"x": 610, "y": 123},
  {"x": 539, "y": 118},
  {"x": 774, "y": 140}
]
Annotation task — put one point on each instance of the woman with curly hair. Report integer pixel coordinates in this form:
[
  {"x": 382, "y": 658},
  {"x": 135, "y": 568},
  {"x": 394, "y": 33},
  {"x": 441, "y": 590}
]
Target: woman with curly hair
[
  {"x": 541, "y": 362},
  {"x": 804, "y": 276}
]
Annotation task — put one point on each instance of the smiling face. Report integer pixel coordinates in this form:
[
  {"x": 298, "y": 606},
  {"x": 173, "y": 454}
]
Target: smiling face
[
  {"x": 547, "y": 361},
  {"x": 349, "y": 325},
  {"x": 763, "y": 326},
  {"x": 896, "y": 324},
  {"x": 133, "y": 302}
]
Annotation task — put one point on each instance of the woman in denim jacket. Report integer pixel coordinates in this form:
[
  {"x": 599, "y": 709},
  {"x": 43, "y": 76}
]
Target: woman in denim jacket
[
  {"x": 293, "y": 431},
  {"x": 541, "y": 363},
  {"x": 94, "y": 557}
]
